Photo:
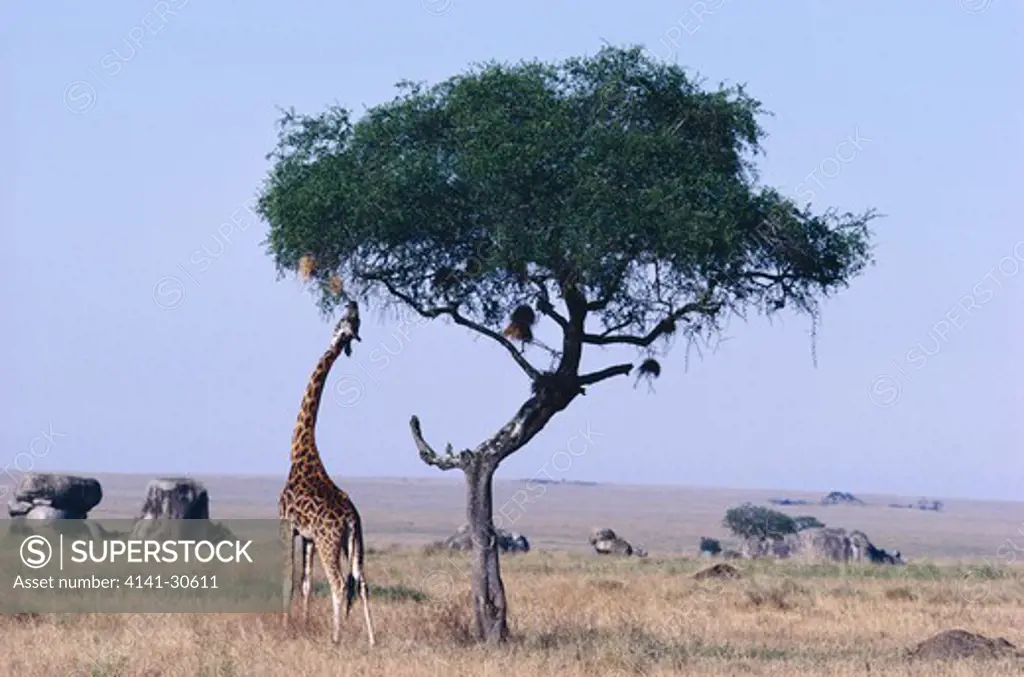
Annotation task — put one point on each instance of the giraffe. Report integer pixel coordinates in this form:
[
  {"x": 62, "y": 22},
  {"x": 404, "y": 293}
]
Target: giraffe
[{"x": 312, "y": 506}]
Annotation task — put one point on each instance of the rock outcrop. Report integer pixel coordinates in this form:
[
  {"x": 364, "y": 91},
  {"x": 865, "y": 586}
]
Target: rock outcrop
[
  {"x": 766, "y": 547},
  {"x": 176, "y": 498},
  {"x": 49, "y": 496},
  {"x": 865, "y": 551},
  {"x": 841, "y": 498},
  {"x": 462, "y": 540},
  {"x": 170, "y": 499},
  {"x": 607, "y": 542},
  {"x": 825, "y": 544}
]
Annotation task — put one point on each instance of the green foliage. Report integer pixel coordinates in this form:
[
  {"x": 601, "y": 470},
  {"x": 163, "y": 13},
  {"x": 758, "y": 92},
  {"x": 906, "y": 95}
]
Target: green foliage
[
  {"x": 807, "y": 522},
  {"x": 755, "y": 521},
  {"x": 397, "y": 593},
  {"x": 710, "y": 545},
  {"x": 394, "y": 593},
  {"x": 613, "y": 178}
]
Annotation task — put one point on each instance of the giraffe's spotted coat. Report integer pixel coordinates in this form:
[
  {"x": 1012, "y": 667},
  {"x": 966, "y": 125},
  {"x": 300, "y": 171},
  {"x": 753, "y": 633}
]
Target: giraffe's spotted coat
[{"x": 315, "y": 508}]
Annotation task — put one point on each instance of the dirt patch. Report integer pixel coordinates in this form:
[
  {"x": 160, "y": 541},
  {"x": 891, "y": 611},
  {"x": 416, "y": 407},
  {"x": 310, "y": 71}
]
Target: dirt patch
[
  {"x": 951, "y": 644},
  {"x": 718, "y": 571}
]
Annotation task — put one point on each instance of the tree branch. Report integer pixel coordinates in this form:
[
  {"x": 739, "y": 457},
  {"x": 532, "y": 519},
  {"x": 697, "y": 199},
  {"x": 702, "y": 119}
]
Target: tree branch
[
  {"x": 523, "y": 363},
  {"x": 453, "y": 313},
  {"x": 600, "y": 375},
  {"x": 703, "y": 307},
  {"x": 531, "y": 418},
  {"x": 446, "y": 462},
  {"x": 544, "y": 306},
  {"x": 770, "y": 277},
  {"x": 613, "y": 285},
  {"x": 618, "y": 327},
  {"x": 762, "y": 279},
  {"x": 574, "y": 331},
  {"x": 599, "y": 304}
]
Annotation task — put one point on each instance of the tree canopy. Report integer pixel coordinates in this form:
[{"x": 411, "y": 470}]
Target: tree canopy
[
  {"x": 807, "y": 522},
  {"x": 756, "y": 521},
  {"x": 614, "y": 182}
]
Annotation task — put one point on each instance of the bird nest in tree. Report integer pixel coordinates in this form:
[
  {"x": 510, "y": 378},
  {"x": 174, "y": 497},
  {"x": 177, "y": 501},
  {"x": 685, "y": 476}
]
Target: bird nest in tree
[
  {"x": 520, "y": 326},
  {"x": 524, "y": 315},
  {"x": 649, "y": 370},
  {"x": 444, "y": 278},
  {"x": 668, "y": 326},
  {"x": 307, "y": 267}
]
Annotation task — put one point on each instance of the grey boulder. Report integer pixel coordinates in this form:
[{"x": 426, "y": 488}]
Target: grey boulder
[{"x": 63, "y": 496}]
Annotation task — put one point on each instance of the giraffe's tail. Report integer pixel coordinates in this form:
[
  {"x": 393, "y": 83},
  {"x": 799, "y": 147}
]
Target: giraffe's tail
[
  {"x": 351, "y": 589},
  {"x": 355, "y": 574},
  {"x": 355, "y": 582}
]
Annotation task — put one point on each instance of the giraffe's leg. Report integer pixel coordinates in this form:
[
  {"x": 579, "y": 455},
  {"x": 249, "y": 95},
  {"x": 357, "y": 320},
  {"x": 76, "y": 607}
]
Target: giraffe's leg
[
  {"x": 364, "y": 594},
  {"x": 330, "y": 556},
  {"x": 308, "y": 549},
  {"x": 355, "y": 550},
  {"x": 288, "y": 536}
]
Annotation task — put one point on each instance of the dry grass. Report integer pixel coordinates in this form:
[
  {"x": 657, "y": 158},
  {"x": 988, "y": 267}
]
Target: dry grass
[{"x": 571, "y": 615}]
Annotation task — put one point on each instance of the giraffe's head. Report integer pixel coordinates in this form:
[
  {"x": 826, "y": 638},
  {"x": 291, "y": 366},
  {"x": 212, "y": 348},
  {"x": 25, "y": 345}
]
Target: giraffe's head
[{"x": 347, "y": 329}]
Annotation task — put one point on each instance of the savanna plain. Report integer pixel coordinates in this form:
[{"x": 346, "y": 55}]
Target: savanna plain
[{"x": 575, "y": 613}]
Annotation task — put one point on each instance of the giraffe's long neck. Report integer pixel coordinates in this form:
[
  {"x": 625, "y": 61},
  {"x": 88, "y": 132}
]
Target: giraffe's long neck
[{"x": 303, "y": 440}]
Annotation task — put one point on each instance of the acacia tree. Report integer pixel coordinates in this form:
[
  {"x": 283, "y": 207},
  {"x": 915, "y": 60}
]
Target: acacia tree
[
  {"x": 756, "y": 521},
  {"x": 609, "y": 200}
]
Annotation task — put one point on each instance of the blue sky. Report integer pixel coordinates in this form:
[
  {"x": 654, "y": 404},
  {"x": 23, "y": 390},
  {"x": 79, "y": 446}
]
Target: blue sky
[{"x": 139, "y": 131}]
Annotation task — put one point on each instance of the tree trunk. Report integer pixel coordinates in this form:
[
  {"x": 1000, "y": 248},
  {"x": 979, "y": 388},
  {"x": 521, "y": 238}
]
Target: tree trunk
[{"x": 489, "y": 607}]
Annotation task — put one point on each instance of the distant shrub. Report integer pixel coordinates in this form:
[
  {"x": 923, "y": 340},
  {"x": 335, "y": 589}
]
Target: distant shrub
[
  {"x": 807, "y": 522},
  {"x": 755, "y": 521},
  {"x": 710, "y": 545}
]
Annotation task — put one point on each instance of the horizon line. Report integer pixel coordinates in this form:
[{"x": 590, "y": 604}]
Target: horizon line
[{"x": 452, "y": 478}]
